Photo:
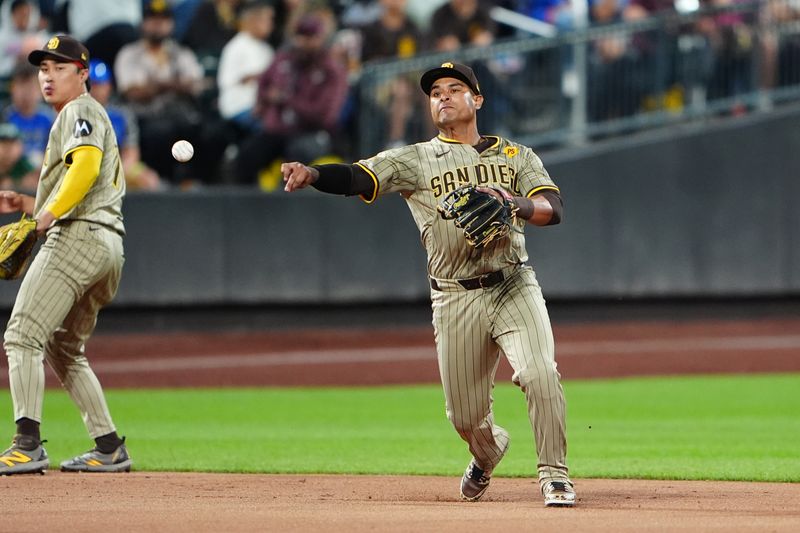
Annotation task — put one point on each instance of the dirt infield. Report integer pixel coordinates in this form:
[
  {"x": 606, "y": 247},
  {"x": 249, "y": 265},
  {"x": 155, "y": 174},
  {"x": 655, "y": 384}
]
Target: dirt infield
[
  {"x": 215, "y": 502},
  {"x": 143, "y": 501}
]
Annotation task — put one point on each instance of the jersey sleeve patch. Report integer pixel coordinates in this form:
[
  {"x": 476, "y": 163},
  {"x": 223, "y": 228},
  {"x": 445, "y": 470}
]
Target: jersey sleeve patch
[{"x": 83, "y": 128}]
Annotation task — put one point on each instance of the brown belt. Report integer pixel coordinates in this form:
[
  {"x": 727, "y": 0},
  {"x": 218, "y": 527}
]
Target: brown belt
[{"x": 483, "y": 281}]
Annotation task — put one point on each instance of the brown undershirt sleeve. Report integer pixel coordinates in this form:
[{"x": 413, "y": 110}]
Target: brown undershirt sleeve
[{"x": 349, "y": 180}]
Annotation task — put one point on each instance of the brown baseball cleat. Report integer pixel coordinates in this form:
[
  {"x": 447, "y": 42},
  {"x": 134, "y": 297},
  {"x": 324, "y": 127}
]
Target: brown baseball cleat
[{"x": 558, "y": 494}]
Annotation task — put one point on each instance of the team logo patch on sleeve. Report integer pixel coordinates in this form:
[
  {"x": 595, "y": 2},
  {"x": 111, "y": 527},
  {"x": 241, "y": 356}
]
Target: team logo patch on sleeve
[{"x": 82, "y": 128}]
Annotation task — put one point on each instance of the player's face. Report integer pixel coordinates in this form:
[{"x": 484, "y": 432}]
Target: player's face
[
  {"x": 61, "y": 82},
  {"x": 452, "y": 102}
]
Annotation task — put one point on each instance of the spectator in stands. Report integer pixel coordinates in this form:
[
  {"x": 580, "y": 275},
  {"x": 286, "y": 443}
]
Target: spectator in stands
[
  {"x": 104, "y": 26},
  {"x": 615, "y": 67},
  {"x": 287, "y": 13},
  {"x": 17, "y": 173},
  {"x": 661, "y": 82},
  {"x": 244, "y": 58},
  {"x": 394, "y": 35},
  {"x": 27, "y": 111},
  {"x": 733, "y": 44},
  {"x": 138, "y": 176},
  {"x": 19, "y": 34},
  {"x": 606, "y": 11},
  {"x": 360, "y": 13},
  {"x": 183, "y": 12},
  {"x": 641, "y": 9},
  {"x": 300, "y": 99},
  {"x": 211, "y": 27},
  {"x": 556, "y": 12},
  {"x": 161, "y": 80},
  {"x": 786, "y": 51},
  {"x": 461, "y": 22}
]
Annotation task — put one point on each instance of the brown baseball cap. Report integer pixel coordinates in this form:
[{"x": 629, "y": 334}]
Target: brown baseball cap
[
  {"x": 450, "y": 70},
  {"x": 64, "y": 48}
]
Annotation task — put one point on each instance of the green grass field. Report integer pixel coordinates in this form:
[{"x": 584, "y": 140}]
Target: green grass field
[{"x": 729, "y": 428}]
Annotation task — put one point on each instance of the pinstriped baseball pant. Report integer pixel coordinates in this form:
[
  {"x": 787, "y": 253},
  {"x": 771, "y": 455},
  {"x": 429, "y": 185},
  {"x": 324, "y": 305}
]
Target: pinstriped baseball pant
[
  {"x": 75, "y": 273},
  {"x": 471, "y": 327}
]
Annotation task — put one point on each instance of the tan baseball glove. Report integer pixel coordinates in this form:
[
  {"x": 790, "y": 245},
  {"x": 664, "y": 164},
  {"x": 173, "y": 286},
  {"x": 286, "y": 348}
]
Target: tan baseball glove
[{"x": 16, "y": 244}]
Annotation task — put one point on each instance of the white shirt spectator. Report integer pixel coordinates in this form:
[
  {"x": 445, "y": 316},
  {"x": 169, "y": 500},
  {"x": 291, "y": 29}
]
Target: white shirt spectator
[
  {"x": 136, "y": 66},
  {"x": 243, "y": 59},
  {"x": 15, "y": 41}
]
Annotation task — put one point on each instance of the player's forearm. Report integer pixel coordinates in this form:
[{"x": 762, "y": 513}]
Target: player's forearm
[
  {"x": 544, "y": 209},
  {"x": 349, "y": 180}
]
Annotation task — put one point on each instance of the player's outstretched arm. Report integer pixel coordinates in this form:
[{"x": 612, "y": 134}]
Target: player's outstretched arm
[
  {"x": 14, "y": 202},
  {"x": 348, "y": 180}
]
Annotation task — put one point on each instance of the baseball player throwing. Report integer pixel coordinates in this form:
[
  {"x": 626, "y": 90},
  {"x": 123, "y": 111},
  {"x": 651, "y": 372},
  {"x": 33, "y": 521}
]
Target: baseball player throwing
[
  {"x": 484, "y": 299},
  {"x": 77, "y": 270}
]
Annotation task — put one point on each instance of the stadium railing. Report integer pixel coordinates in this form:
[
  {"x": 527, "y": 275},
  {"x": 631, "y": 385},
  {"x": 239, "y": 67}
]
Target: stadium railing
[{"x": 600, "y": 81}]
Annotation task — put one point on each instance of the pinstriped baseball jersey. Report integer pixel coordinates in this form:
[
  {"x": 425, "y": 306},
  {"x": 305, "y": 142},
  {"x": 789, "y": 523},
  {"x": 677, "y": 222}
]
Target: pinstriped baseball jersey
[
  {"x": 84, "y": 122},
  {"x": 426, "y": 172}
]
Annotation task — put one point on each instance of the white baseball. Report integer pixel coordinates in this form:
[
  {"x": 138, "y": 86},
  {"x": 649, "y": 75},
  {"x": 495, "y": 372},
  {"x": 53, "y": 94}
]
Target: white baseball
[{"x": 182, "y": 151}]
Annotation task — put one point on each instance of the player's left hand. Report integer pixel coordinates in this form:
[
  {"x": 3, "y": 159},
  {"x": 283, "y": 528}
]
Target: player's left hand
[
  {"x": 43, "y": 222},
  {"x": 297, "y": 176},
  {"x": 497, "y": 193}
]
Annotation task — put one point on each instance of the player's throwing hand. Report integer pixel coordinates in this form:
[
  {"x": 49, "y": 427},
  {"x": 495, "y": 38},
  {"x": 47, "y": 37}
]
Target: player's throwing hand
[{"x": 298, "y": 176}]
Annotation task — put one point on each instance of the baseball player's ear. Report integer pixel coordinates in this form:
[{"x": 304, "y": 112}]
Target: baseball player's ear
[{"x": 478, "y": 101}]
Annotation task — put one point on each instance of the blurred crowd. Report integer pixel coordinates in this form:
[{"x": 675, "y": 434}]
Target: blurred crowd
[{"x": 251, "y": 83}]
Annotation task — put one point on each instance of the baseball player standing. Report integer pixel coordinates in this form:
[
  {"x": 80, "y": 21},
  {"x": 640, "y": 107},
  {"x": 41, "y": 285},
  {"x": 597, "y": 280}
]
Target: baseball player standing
[
  {"x": 77, "y": 270},
  {"x": 484, "y": 300}
]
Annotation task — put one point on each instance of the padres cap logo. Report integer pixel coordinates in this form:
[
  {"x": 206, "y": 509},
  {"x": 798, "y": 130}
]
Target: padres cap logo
[
  {"x": 62, "y": 48},
  {"x": 447, "y": 65}
]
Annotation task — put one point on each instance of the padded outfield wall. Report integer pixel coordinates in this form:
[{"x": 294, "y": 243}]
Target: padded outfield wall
[{"x": 697, "y": 210}]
